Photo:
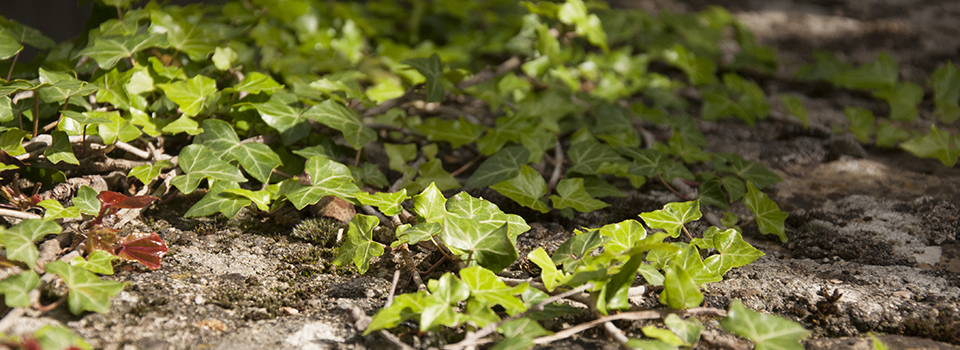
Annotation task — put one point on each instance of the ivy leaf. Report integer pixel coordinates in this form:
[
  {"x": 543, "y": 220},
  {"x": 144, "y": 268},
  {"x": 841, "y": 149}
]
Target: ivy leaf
[
  {"x": 98, "y": 261},
  {"x": 527, "y": 188},
  {"x": 9, "y": 46},
  {"x": 946, "y": 92},
  {"x": 108, "y": 50},
  {"x": 255, "y": 83},
  {"x": 26, "y": 35},
  {"x": 861, "y": 122},
  {"x": 191, "y": 95},
  {"x": 903, "y": 99},
  {"x": 358, "y": 245},
  {"x": 711, "y": 193},
  {"x": 623, "y": 235},
  {"x": 217, "y": 200},
  {"x": 57, "y": 337},
  {"x": 548, "y": 269},
  {"x": 368, "y": 174},
  {"x": 147, "y": 172},
  {"x": 680, "y": 291},
  {"x": 432, "y": 173},
  {"x": 327, "y": 178},
  {"x": 60, "y": 149},
  {"x": 260, "y": 198},
  {"x": 487, "y": 288},
  {"x": 688, "y": 330},
  {"x": 502, "y": 166},
  {"x": 16, "y": 289},
  {"x": 572, "y": 194},
  {"x": 576, "y": 248},
  {"x": 519, "y": 334},
  {"x": 404, "y": 307},
  {"x": 389, "y": 203},
  {"x": 118, "y": 129},
  {"x": 768, "y": 332},
  {"x": 54, "y": 210},
  {"x": 19, "y": 239},
  {"x": 770, "y": 218},
  {"x": 144, "y": 247},
  {"x": 938, "y": 144},
  {"x": 488, "y": 215},
  {"x": 731, "y": 248},
  {"x": 290, "y": 121},
  {"x": 430, "y": 204},
  {"x": 673, "y": 215},
  {"x": 346, "y": 120},
  {"x": 598, "y": 187},
  {"x": 615, "y": 293},
  {"x": 400, "y": 154},
  {"x": 458, "y": 132},
  {"x": 491, "y": 249},
  {"x": 223, "y": 57},
  {"x": 199, "y": 163},
  {"x": 879, "y": 74},
  {"x": 86, "y": 200},
  {"x": 589, "y": 156},
  {"x": 415, "y": 234},
  {"x": 796, "y": 108},
  {"x": 12, "y": 141},
  {"x": 889, "y": 135},
  {"x": 664, "y": 335},
  {"x": 649, "y": 344},
  {"x": 256, "y": 158},
  {"x": 690, "y": 261},
  {"x": 432, "y": 69},
  {"x": 58, "y": 86},
  {"x": 6, "y": 109},
  {"x": 749, "y": 171},
  {"x": 438, "y": 310},
  {"x": 87, "y": 292},
  {"x": 183, "y": 36}
]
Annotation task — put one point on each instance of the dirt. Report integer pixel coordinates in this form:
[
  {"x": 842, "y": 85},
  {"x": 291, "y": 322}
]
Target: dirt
[{"x": 873, "y": 232}]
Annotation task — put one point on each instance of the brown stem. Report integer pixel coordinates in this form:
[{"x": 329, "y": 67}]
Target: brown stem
[
  {"x": 36, "y": 113},
  {"x": 687, "y": 232},
  {"x": 469, "y": 164},
  {"x": 356, "y": 160},
  {"x": 664, "y": 182},
  {"x": 557, "y": 168},
  {"x": 12, "y": 64},
  {"x": 51, "y": 306}
]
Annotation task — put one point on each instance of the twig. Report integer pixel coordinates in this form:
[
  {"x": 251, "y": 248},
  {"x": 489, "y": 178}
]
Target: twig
[
  {"x": 408, "y": 261},
  {"x": 557, "y": 168},
  {"x": 135, "y": 151},
  {"x": 471, "y": 340},
  {"x": 615, "y": 333},
  {"x": 633, "y": 315},
  {"x": 18, "y": 214},
  {"x": 508, "y": 65},
  {"x": 393, "y": 287},
  {"x": 664, "y": 182},
  {"x": 370, "y": 211},
  {"x": 51, "y": 306},
  {"x": 469, "y": 164}
]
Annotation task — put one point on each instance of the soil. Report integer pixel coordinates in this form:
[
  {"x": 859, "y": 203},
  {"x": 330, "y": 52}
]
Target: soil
[{"x": 873, "y": 232}]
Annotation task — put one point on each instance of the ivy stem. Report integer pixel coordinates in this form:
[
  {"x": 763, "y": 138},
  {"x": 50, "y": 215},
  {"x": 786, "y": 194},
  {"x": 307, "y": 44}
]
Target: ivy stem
[
  {"x": 557, "y": 167},
  {"x": 664, "y": 182},
  {"x": 469, "y": 164},
  {"x": 12, "y": 64},
  {"x": 51, "y": 306},
  {"x": 393, "y": 287},
  {"x": 408, "y": 261},
  {"x": 356, "y": 159},
  {"x": 442, "y": 250},
  {"x": 687, "y": 232},
  {"x": 36, "y": 112}
]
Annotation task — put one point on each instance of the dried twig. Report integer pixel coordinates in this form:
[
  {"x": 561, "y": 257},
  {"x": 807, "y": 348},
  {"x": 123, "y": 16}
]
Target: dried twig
[
  {"x": 633, "y": 315},
  {"x": 393, "y": 288},
  {"x": 466, "y": 166},
  {"x": 411, "y": 267},
  {"x": 557, "y": 168},
  {"x": 18, "y": 214}
]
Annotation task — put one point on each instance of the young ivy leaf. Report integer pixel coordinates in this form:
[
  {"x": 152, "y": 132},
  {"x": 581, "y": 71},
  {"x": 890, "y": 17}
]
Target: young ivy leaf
[
  {"x": 389, "y": 203},
  {"x": 57, "y": 337},
  {"x": 664, "y": 335},
  {"x": 255, "y": 83},
  {"x": 502, "y": 166},
  {"x": 430, "y": 204},
  {"x": 548, "y": 270},
  {"x": 415, "y": 234},
  {"x": 732, "y": 250},
  {"x": 680, "y": 291},
  {"x": 438, "y": 307},
  {"x": 673, "y": 215},
  {"x": 572, "y": 194},
  {"x": 199, "y": 163},
  {"x": 108, "y": 50},
  {"x": 146, "y": 248},
  {"x": 16, "y": 289},
  {"x": 55, "y": 210},
  {"x": 358, "y": 245},
  {"x": 400, "y": 154},
  {"x": 369, "y": 174},
  {"x": 432, "y": 172},
  {"x": 457, "y": 132},
  {"x": 289, "y": 120},
  {"x": 903, "y": 99},
  {"x": 86, "y": 200},
  {"x": 688, "y": 330},
  {"x": 796, "y": 108},
  {"x": 256, "y": 158},
  {"x": 327, "y": 178},
  {"x": 432, "y": 69},
  {"x": 491, "y": 249},
  {"x": 590, "y": 155},
  {"x": 147, "y": 172},
  {"x": 527, "y": 188},
  {"x": 946, "y": 89},
  {"x": 118, "y": 129},
  {"x": 19, "y": 239},
  {"x": 576, "y": 248},
  {"x": 623, "y": 235},
  {"x": 11, "y": 141},
  {"x": 768, "y": 332},
  {"x": 8, "y": 46},
  {"x": 770, "y": 218},
  {"x": 217, "y": 200},
  {"x": 487, "y": 288},
  {"x": 87, "y": 292},
  {"x": 404, "y": 307},
  {"x": 346, "y": 120},
  {"x": 191, "y": 95},
  {"x": 98, "y": 261},
  {"x": 59, "y": 86},
  {"x": 938, "y": 144},
  {"x": 747, "y": 170}
]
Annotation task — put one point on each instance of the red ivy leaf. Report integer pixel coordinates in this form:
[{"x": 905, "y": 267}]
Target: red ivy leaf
[
  {"x": 102, "y": 238},
  {"x": 116, "y": 200},
  {"x": 147, "y": 248}
]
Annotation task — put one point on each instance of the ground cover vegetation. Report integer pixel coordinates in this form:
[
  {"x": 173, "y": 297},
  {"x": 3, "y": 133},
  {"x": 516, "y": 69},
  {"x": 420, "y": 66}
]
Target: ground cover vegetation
[{"x": 278, "y": 105}]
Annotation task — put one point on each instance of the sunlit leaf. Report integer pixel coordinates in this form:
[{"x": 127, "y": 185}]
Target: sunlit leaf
[
  {"x": 388, "y": 203},
  {"x": 358, "y": 244},
  {"x": 770, "y": 218},
  {"x": 938, "y": 144},
  {"x": 191, "y": 95},
  {"x": 199, "y": 163},
  {"x": 60, "y": 149},
  {"x": 256, "y": 158},
  {"x": 572, "y": 194},
  {"x": 16, "y": 289},
  {"x": 327, "y": 178},
  {"x": 768, "y": 332},
  {"x": 108, "y": 50},
  {"x": 732, "y": 250},
  {"x": 338, "y": 116},
  {"x": 458, "y": 132},
  {"x": 502, "y": 166},
  {"x": 147, "y": 172},
  {"x": 218, "y": 200},
  {"x": 98, "y": 261},
  {"x": 55, "y": 210},
  {"x": 19, "y": 239},
  {"x": 680, "y": 291},
  {"x": 946, "y": 92},
  {"x": 87, "y": 292},
  {"x": 673, "y": 215},
  {"x": 528, "y": 188}
]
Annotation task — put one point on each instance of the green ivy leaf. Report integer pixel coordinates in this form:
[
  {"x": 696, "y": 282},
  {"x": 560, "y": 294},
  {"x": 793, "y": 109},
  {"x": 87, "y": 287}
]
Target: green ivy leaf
[
  {"x": 938, "y": 144},
  {"x": 688, "y": 330},
  {"x": 19, "y": 239},
  {"x": 86, "y": 200},
  {"x": 290, "y": 121},
  {"x": 389, "y": 203},
  {"x": 6, "y": 109},
  {"x": 487, "y": 288},
  {"x": 664, "y": 335},
  {"x": 690, "y": 261},
  {"x": 732, "y": 250},
  {"x": 98, "y": 261},
  {"x": 437, "y": 310},
  {"x": 527, "y": 188},
  {"x": 56, "y": 337},
  {"x": 12, "y": 141},
  {"x": 191, "y": 95},
  {"x": 256, "y": 158},
  {"x": 623, "y": 235},
  {"x": 60, "y": 149},
  {"x": 770, "y": 218},
  {"x": 430, "y": 204},
  {"x": 87, "y": 292},
  {"x": 549, "y": 274},
  {"x": 182, "y": 36},
  {"x": 346, "y": 120},
  {"x": 368, "y": 174},
  {"x": 255, "y": 83},
  {"x": 358, "y": 245},
  {"x": 768, "y": 332},
  {"x": 578, "y": 247},
  {"x": 400, "y": 154},
  {"x": 711, "y": 193},
  {"x": 59, "y": 86},
  {"x": 432, "y": 173},
  {"x": 796, "y": 108},
  {"x": 488, "y": 215},
  {"x": 16, "y": 289},
  {"x": 903, "y": 99},
  {"x": 9, "y": 46},
  {"x": 108, "y": 50},
  {"x": 54, "y": 210},
  {"x": 680, "y": 291},
  {"x": 590, "y": 155},
  {"x": 458, "y": 132},
  {"x": 148, "y": 172},
  {"x": 945, "y": 82},
  {"x": 889, "y": 135},
  {"x": 327, "y": 178},
  {"x": 432, "y": 69},
  {"x": 199, "y": 163},
  {"x": 118, "y": 129},
  {"x": 748, "y": 171},
  {"x": 861, "y": 122},
  {"x": 404, "y": 307},
  {"x": 673, "y": 215},
  {"x": 575, "y": 12},
  {"x": 260, "y": 198},
  {"x": 648, "y": 344},
  {"x": 502, "y": 166},
  {"x": 415, "y": 234},
  {"x": 880, "y": 74},
  {"x": 572, "y": 194},
  {"x": 491, "y": 249},
  {"x": 218, "y": 200},
  {"x": 223, "y": 58}
]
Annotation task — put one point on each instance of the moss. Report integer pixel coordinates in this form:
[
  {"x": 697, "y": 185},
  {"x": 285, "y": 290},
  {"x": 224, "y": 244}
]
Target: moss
[{"x": 319, "y": 231}]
